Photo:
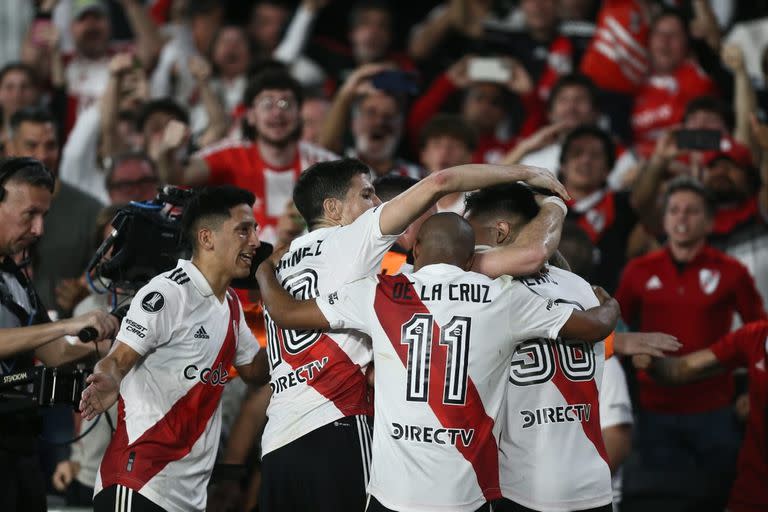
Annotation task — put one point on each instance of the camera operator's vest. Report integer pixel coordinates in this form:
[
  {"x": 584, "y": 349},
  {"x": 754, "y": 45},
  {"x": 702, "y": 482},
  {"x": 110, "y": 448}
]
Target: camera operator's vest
[{"x": 19, "y": 307}]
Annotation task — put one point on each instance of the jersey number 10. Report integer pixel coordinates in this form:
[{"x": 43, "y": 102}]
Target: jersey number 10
[{"x": 454, "y": 336}]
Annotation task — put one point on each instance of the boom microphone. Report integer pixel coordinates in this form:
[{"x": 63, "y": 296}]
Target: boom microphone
[{"x": 89, "y": 333}]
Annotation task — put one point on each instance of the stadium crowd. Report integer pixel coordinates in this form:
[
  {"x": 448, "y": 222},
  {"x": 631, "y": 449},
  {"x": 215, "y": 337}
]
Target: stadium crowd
[{"x": 649, "y": 113}]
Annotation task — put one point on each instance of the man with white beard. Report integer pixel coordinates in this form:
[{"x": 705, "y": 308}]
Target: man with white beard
[
  {"x": 377, "y": 125},
  {"x": 377, "y": 119}
]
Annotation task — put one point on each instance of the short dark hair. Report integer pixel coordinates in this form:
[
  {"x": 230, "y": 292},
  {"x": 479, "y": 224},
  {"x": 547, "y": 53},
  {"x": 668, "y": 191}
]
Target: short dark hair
[
  {"x": 510, "y": 199},
  {"x": 272, "y": 78},
  {"x": 37, "y": 115},
  {"x": 368, "y": 5},
  {"x": 22, "y": 169},
  {"x": 448, "y": 125},
  {"x": 588, "y": 130},
  {"x": 688, "y": 184},
  {"x": 574, "y": 80},
  {"x": 389, "y": 186},
  {"x": 119, "y": 159},
  {"x": 165, "y": 105},
  {"x": 18, "y": 66},
  {"x": 672, "y": 12},
  {"x": 324, "y": 180},
  {"x": 198, "y": 8},
  {"x": 212, "y": 204},
  {"x": 710, "y": 104}
]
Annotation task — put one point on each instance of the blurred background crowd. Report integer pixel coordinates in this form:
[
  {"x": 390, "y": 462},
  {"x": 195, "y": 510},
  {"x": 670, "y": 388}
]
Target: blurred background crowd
[{"x": 618, "y": 97}]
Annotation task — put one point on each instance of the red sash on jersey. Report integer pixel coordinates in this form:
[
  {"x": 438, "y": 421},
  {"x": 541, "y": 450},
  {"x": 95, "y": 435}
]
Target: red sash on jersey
[
  {"x": 172, "y": 437},
  {"x": 727, "y": 219},
  {"x": 598, "y": 218},
  {"x": 483, "y": 454}
]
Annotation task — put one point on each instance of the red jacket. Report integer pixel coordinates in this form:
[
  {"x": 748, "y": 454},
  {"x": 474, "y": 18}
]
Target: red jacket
[{"x": 695, "y": 305}]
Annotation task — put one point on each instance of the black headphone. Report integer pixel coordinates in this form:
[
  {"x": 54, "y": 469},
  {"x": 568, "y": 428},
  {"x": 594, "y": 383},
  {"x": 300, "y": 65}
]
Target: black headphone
[{"x": 10, "y": 166}]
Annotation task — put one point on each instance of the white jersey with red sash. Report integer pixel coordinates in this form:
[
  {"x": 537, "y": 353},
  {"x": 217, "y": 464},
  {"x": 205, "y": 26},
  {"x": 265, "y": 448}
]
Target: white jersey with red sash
[
  {"x": 552, "y": 452},
  {"x": 319, "y": 377},
  {"x": 169, "y": 418},
  {"x": 442, "y": 341}
]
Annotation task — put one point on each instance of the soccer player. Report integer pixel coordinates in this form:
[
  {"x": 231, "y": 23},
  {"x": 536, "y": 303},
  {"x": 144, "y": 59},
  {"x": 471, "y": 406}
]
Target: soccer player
[
  {"x": 442, "y": 340},
  {"x": 552, "y": 401},
  {"x": 744, "y": 348},
  {"x": 318, "y": 414},
  {"x": 169, "y": 365}
]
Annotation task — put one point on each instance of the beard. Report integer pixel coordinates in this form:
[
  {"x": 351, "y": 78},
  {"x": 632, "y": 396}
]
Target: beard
[
  {"x": 377, "y": 151},
  {"x": 282, "y": 142}
]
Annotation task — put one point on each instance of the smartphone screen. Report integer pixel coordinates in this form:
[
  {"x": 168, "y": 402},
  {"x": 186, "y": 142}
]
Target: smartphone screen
[
  {"x": 488, "y": 69},
  {"x": 703, "y": 140},
  {"x": 397, "y": 82}
]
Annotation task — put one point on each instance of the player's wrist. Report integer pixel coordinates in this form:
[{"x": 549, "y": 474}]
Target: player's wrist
[{"x": 556, "y": 201}]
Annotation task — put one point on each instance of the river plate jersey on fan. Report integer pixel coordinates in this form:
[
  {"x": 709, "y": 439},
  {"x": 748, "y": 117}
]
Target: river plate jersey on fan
[
  {"x": 442, "y": 342},
  {"x": 319, "y": 377},
  {"x": 169, "y": 417},
  {"x": 551, "y": 448}
]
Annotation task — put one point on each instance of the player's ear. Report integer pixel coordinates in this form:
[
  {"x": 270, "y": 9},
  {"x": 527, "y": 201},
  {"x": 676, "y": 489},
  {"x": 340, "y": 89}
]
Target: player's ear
[
  {"x": 470, "y": 262},
  {"x": 333, "y": 208},
  {"x": 503, "y": 230},
  {"x": 205, "y": 239}
]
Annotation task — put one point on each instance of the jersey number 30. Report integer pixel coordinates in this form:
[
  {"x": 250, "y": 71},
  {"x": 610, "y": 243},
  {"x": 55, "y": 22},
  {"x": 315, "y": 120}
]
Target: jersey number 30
[{"x": 417, "y": 334}]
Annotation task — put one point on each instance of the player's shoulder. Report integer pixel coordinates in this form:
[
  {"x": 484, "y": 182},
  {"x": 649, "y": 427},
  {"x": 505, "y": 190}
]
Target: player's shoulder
[
  {"x": 168, "y": 289},
  {"x": 568, "y": 278},
  {"x": 726, "y": 260}
]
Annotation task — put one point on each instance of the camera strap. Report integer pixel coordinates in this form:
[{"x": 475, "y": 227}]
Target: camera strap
[{"x": 6, "y": 297}]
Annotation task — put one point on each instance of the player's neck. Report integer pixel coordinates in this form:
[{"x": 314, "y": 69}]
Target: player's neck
[
  {"x": 325, "y": 222},
  {"x": 684, "y": 253},
  {"x": 217, "y": 279},
  {"x": 281, "y": 155}
]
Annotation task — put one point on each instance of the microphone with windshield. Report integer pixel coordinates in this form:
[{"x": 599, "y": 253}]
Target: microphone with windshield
[{"x": 89, "y": 333}]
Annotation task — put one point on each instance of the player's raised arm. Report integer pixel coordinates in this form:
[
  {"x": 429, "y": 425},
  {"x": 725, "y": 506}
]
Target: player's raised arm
[
  {"x": 533, "y": 246},
  {"x": 401, "y": 211},
  {"x": 594, "y": 324},
  {"x": 284, "y": 310}
]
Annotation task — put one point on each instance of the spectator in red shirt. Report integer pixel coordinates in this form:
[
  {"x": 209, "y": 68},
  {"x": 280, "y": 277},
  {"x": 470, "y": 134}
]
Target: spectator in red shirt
[
  {"x": 744, "y": 348},
  {"x": 608, "y": 217},
  {"x": 267, "y": 164},
  {"x": 486, "y": 106},
  {"x": 691, "y": 291},
  {"x": 675, "y": 80}
]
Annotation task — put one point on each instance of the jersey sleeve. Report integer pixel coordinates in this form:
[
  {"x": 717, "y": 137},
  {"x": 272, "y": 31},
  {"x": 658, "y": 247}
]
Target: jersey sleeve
[
  {"x": 351, "y": 306},
  {"x": 615, "y": 406},
  {"x": 532, "y": 316},
  {"x": 360, "y": 247},
  {"x": 247, "y": 345},
  {"x": 152, "y": 317},
  {"x": 731, "y": 350}
]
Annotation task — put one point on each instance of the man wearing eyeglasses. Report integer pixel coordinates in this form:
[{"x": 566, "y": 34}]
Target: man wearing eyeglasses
[
  {"x": 267, "y": 162},
  {"x": 132, "y": 177}
]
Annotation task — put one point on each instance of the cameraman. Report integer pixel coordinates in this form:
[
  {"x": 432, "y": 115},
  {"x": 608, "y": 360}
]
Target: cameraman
[
  {"x": 184, "y": 331},
  {"x": 26, "y": 334}
]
